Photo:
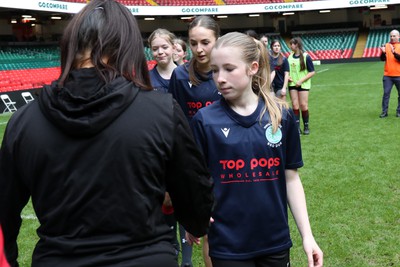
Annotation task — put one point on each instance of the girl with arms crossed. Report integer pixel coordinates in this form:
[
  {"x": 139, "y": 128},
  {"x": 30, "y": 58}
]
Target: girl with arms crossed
[{"x": 252, "y": 147}]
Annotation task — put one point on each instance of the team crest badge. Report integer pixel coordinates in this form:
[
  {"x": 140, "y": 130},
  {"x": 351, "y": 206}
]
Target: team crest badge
[{"x": 274, "y": 139}]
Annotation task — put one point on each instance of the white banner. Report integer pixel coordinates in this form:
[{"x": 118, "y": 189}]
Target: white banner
[{"x": 66, "y": 7}]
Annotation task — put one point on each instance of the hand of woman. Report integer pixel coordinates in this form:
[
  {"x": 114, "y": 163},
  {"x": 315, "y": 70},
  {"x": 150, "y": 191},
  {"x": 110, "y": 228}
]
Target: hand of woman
[
  {"x": 167, "y": 200},
  {"x": 191, "y": 239}
]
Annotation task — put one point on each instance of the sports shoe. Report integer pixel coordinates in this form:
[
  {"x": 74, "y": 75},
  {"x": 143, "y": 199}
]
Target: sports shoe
[
  {"x": 306, "y": 130},
  {"x": 383, "y": 115}
]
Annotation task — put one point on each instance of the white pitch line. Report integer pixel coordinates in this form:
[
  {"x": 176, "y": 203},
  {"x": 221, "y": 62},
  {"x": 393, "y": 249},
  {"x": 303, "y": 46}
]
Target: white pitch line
[
  {"x": 2, "y": 123},
  {"x": 322, "y": 70}
]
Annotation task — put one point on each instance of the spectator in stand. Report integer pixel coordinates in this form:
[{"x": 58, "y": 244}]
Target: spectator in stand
[
  {"x": 300, "y": 73},
  {"x": 192, "y": 84},
  {"x": 391, "y": 75},
  {"x": 280, "y": 65},
  {"x": 96, "y": 152},
  {"x": 180, "y": 51}
]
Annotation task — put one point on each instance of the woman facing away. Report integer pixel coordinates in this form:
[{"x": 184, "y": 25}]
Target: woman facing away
[
  {"x": 97, "y": 151},
  {"x": 300, "y": 73},
  {"x": 252, "y": 147},
  {"x": 280, "y": 65},
  {"x": 192, "y": 84}
]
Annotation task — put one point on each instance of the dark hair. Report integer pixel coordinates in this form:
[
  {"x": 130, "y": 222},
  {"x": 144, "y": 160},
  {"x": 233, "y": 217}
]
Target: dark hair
[
  {"x": 280, "y": 56},
  {"x": 109, "y": 32},
  {"x": 299, "y": 43},
  {"x": 181, "y": 43},
  {"x": 251, "y": 33},
  {"x": 210, "y": 24}
]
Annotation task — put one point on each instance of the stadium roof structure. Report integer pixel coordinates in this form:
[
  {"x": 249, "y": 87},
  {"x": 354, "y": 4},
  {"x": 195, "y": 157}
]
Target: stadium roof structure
[{"x": 72, "y": 8}]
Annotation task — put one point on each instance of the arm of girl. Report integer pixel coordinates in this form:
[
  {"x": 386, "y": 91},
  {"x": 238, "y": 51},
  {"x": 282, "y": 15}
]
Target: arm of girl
[
  {"x": 308, "y": 76},
  {"x": 285, "y": 83},
  {"x": 297, "y": 204}
]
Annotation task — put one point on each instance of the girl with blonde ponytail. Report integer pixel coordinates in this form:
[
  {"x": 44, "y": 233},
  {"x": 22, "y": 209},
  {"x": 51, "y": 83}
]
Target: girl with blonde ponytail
[{"x": 252, "y": 147}]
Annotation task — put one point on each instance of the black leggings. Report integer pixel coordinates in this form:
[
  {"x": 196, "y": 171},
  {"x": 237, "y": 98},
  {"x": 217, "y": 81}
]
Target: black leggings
[{"x": 280, "y": 259}]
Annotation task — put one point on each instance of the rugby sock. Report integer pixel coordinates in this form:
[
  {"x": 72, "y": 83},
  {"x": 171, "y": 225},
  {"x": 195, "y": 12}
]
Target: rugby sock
[{"x": 305, "y": 116}]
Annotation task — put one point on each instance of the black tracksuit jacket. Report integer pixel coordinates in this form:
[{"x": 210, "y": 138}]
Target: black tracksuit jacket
[{"x": 96, "y": 160}]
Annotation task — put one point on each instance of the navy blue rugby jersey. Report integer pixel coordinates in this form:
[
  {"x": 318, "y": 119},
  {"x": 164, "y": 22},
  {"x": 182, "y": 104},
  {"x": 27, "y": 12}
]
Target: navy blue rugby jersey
[
  {"x": 247, "y": 162},
  {"x": 279, "y": 78},
  {"x": 191, "y": 97},
  {"x": 157, "y": 82}
]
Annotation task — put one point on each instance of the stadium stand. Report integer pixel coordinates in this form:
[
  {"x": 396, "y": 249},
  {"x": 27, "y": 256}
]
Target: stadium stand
[
  {"x": 125, "y": 2},
  {"x": 186, "y": 2},
  {"x": 329, "y": 44},
  {"x": 23, "y": 67},
  {"x": 250, "y": 2},
  {"x": 19, "y": 79},
  {"x": 193, "y": 2},
  {"x": 375, "y": 39}
]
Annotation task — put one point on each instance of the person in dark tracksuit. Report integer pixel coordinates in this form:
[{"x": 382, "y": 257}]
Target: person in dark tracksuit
[{"x": 96, "y": 152}]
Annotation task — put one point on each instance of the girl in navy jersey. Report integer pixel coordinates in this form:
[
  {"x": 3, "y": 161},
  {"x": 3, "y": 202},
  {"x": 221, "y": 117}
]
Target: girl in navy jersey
[
  {"x": 161, "y": 42},
  {"x": 180, "y": 51},
  {"x": 301, "y": 71},
  {"x": 280, "y": 65},
  {"x": 252, "y": 146},
  {"x": 192, "y": 84}
]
